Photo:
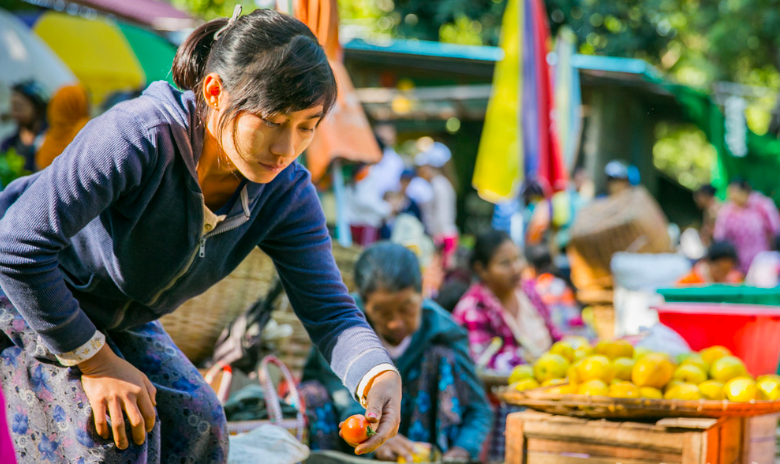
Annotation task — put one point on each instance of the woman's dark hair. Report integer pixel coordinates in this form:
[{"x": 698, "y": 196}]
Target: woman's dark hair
[
  {"x": 387, "y": 266},
  {"x": 35, "y": 94},
  {"x": 722, "y": 250},
  {"x": 742, "y": 184},
  {"x": 268, "y": 62},
  {"x": 486, "y": 245}
]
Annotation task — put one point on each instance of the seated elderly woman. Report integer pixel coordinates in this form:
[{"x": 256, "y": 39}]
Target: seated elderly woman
[{"x": 444, "y": 403}]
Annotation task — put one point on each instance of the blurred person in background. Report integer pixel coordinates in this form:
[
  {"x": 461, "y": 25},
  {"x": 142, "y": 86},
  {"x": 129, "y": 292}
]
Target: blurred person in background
[
  {"x": 556, "y": 293},
  {"x": 456, "y": 281},
  {"x": 552, "y": 218},
  {"x": 719, "y": 266},
  {"x": 504, "y": 305},
  {"x": 401, "y": 204},
  {"x": 28, "y": 111},
  {"x": 391, "y": 166},
  {"x": 440, "y": 212},
  {"x": 507, "y": 322},
  {"x": 368, "y": 199},
  {"x": 765, "y": 270},
  {"x": 749, "y": 220},
  {"x": 366, "y": 209},
  {"x": 444, "y": 400},
  {"x": 67, "y": 114},
  {"x": 708, "y": 203},
  {"x": 618, "y": 177}
]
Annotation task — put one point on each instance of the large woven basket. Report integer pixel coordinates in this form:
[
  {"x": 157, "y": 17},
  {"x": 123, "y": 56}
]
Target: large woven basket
[
  {"x": 630, "y": 221},
  {"x": 196, "y": 325},
  {"x": 603, "y": 407}
]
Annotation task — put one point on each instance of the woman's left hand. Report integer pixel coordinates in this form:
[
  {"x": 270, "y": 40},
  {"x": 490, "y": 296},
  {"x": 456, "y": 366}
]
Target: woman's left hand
[{"x": 383, "y": 411}]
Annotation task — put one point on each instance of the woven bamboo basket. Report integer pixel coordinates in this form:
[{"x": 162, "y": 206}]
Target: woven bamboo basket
[
  {"x": 196, "y": 325},
  {"x": 604, "y": 407}
]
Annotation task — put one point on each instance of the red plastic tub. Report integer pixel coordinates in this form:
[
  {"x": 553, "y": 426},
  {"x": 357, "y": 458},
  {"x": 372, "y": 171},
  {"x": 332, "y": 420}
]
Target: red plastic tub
[{"x": 751, "y": 332}]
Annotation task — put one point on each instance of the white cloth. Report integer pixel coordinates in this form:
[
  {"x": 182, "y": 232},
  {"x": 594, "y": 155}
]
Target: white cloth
[
  {"x": 439, "y": 213},
  {"x": 420, "y": 190},
  {"x": 365, "y": 199},
  {"x": 269, "y": 444},
  {"x": 410, "y": 232},
  {"x": 765, "y": 270},
  {"x": 529, "y": 327},
  {"x": 364, "y": 205},
  {"x": 386, "y": 174}
]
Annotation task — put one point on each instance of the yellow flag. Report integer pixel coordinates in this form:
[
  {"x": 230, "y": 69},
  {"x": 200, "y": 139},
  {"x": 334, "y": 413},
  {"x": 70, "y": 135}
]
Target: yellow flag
[{"x": 499, "y": 169}]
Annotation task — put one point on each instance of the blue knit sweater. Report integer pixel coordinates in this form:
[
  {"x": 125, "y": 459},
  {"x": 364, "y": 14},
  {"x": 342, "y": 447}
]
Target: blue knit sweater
[{"x": 111, "y": 235}]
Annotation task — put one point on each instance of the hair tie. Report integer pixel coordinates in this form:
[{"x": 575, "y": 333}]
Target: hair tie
[{"x": 236, "y": 13}]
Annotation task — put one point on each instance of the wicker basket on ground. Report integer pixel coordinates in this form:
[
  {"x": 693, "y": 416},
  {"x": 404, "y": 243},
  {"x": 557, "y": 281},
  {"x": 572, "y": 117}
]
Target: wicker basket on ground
[{"x": 196, "y": 325}]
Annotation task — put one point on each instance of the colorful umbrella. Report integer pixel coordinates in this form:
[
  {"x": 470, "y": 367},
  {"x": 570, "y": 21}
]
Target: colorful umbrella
[
  {"x": 106, "y": 56},
  {"x": 568, "y": 98},
  {"x": 24, "y": 56},
  {"x": 520, "y": 137},
  {"x": 498, "y": 172}
]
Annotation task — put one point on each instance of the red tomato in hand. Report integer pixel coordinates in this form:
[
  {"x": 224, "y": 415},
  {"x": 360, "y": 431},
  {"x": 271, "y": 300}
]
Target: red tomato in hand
[{"x": 356, "y": 430}]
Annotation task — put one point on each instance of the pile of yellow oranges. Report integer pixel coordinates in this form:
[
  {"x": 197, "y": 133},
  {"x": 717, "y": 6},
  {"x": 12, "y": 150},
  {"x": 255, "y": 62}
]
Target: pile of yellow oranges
[{"x": 614, "y": 368}]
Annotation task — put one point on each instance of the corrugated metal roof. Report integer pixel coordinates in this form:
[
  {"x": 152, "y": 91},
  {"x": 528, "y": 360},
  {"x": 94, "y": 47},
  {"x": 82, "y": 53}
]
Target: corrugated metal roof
[
  {"x": 604, "y": 64},
  {"x": 427, "y": 48}
]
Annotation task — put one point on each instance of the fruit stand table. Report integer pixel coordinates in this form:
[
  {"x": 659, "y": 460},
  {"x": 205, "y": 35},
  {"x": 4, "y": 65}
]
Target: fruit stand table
[{"x": 539, "y": 438}]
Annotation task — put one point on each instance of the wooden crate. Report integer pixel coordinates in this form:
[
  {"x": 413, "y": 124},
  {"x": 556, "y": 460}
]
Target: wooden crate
[{"x": 537, "y": 438}]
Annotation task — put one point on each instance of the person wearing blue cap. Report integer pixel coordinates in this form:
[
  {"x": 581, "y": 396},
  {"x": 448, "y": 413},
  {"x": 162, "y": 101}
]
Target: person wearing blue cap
[
  {"x": 440, "y": 212},
  {"x": 618, "y": 179}
]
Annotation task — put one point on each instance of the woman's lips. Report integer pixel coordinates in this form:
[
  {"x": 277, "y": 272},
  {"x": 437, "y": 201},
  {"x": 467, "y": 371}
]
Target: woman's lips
[{"x": 273, "y": 168}]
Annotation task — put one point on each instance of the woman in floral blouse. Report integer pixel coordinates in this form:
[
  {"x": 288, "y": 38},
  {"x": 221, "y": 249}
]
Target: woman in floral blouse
[{"x": 503, "y": 306}]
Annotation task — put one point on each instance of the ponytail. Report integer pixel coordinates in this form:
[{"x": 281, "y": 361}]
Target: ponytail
[{"x": 190, "y": 61}]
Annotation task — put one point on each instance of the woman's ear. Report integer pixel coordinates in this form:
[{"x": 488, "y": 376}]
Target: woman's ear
[{"x": 213, "y": 93}]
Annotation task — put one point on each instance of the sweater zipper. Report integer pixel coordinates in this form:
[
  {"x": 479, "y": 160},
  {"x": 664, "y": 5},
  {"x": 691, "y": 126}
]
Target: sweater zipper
[
  {"x": 236, "y": 224},
  {"x": 202, "y": 248},
  {"x": 200, "y": 251}
]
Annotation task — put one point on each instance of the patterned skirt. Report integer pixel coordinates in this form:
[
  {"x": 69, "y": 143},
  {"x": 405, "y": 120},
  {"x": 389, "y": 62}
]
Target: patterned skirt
[{"x": 51, "y": 419}]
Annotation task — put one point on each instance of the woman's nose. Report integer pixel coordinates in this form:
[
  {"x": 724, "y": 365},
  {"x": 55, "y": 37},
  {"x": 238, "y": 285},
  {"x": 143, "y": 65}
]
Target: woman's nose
[{"x": 284, "y": 145}]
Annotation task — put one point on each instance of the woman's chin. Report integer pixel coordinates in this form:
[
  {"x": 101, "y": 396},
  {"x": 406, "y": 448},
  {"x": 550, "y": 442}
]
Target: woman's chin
[{"x": 259, "y": 175}]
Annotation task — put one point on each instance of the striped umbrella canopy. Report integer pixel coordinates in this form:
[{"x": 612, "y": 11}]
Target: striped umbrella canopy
[
  {"x": 106, "y": 56},
  {"x": 520, "y": 138},
  {"x": 24, "y": 56}
]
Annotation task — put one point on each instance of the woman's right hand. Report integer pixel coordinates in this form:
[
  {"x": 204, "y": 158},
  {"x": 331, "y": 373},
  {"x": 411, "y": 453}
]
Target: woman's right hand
[{"x": 114, "y": 386}]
